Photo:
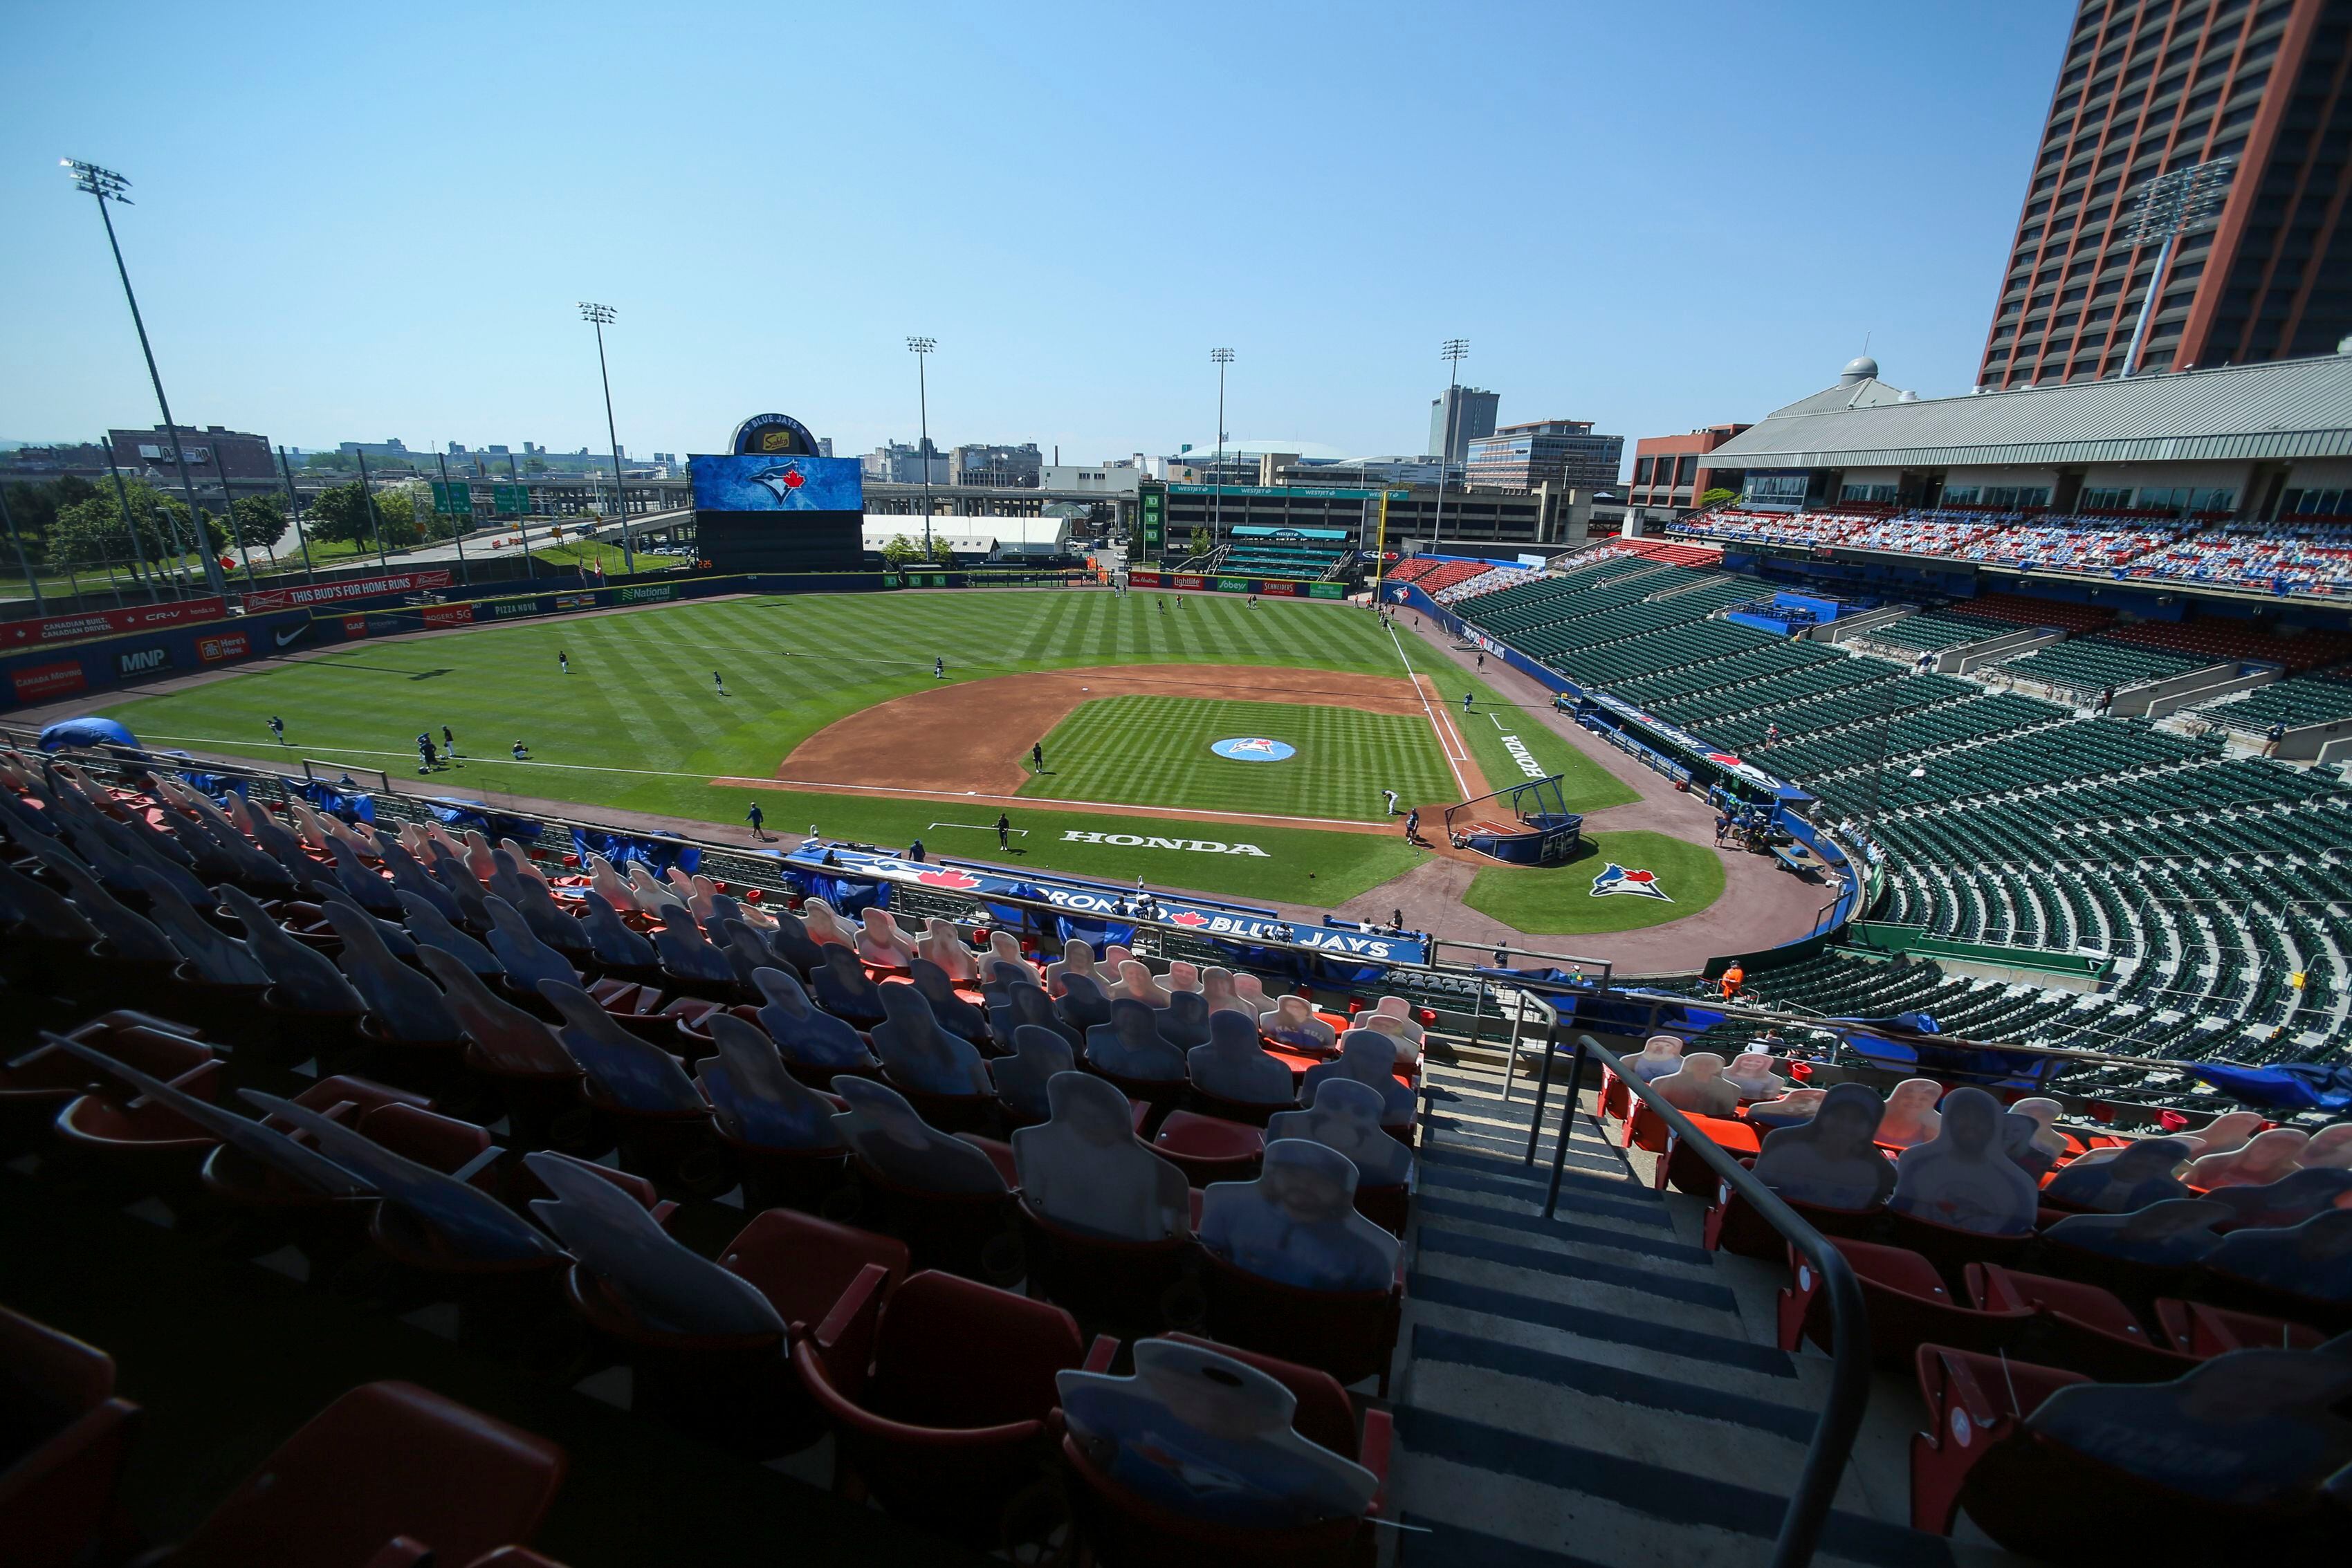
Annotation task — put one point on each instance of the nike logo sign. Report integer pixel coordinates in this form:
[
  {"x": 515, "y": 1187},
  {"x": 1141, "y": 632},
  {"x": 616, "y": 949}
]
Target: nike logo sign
[{"x": 290, "y": 633}]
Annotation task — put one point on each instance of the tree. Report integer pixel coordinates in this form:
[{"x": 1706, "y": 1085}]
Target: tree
[
  {"x": 1717, "y": 497},
  {"x": 260, "y": 520},
  {"x": 901, "y": 553},
  {"x": 340, "y": 516},
  {"x": 1201, "y": 541},
  {"x": 92, "y": 530},
  {"x": 533, "y": 465},
  {"x": 942, "y": 553}
]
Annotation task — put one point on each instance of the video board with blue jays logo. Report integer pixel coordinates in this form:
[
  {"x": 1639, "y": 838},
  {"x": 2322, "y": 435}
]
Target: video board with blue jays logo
[{"x": 758, "y": 482}]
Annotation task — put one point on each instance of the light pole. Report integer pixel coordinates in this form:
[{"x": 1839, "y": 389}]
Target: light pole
[
  {"x": 294, "y": 514},
  {"x": 1453, "y": 350},
  {"x": 602, "y": 315},
  {"x": 23, "y": 564},
  {"x": 2168, "y": 206},
  {"x": 106, "y": 185},
  {"x": 1220, "y": 358},
  {"x": 921, "y": 348}
]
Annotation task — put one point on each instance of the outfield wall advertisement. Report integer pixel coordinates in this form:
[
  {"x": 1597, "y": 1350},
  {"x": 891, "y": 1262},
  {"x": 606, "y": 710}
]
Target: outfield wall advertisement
[
  {"x": 1264, "y": 587},
  {"x": 337, "y": 592},
  {"x": 106, "y": 623}
]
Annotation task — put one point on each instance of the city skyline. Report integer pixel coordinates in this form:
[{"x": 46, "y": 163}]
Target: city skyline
[{"x": 342, "y": 306}]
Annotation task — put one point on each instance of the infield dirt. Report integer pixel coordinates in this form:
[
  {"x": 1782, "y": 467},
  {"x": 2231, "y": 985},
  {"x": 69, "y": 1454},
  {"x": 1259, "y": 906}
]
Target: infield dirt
[{"x": 976, "y": 735}]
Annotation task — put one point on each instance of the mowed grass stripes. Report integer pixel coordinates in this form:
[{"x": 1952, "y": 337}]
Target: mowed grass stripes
[
  {"x": 1151, "y": 750},
  {"x": 639, "y": 725}
]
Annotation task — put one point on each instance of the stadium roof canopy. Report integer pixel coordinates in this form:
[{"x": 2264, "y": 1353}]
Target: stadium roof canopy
[{"x": 2288, "y": 409}]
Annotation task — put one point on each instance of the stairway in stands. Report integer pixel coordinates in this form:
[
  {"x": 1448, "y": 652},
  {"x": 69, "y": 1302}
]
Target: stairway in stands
[{"x": 1597, "y": 1390}]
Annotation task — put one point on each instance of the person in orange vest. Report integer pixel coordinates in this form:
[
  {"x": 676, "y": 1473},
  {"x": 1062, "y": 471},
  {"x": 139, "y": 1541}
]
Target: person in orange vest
[{"x": 1732, "y": 979}]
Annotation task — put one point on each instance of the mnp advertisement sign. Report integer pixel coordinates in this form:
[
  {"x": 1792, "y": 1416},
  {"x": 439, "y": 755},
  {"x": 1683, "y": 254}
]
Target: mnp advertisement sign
[{"x": 761, "y": 483}]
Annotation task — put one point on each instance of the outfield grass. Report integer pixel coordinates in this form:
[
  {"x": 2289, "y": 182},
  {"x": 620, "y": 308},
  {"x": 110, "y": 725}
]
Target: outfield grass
[
  {"x": 1558, "y": 901},
  {"x": 637, "y": 725},
  {"x": 1154, "y": 750}
]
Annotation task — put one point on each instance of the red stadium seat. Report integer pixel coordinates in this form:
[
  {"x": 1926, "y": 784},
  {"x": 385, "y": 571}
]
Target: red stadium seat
[
  {"x": 1973, "y": 1401},
  {"x": 1350, "y": 1335},
  {"x": 1686, "y": 1171},
  {"x": 42, "y": 1082},
  {"x": 938, "y": 1396},
  {"x": 1908, "y": 1302},
  {"x": 1950, "y": 1248},
  {"x": 971, "y": 1234},
  {"x": 2077, "y": 1326},
  {"x": 63, "y": 1437},
  {"x": 140, "y": 1142},
  {"x": 677, "y": 1150},
  {"x": 804, "y": 1265},
  {"x": 387, "y": 1460},
  {"x": 1125, "y": 1530},
  {"x": 1734, "y": 1227},
  {"x": 1209, "y": 1149},
  {"x": 2196, "y": 1328},
  {"x": 1124, "y": 1288}
]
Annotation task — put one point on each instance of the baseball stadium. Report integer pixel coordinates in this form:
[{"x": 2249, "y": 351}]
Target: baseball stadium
[{"x": 1549, "y": 1058}]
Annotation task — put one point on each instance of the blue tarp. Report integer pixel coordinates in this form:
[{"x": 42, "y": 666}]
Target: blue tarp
[
  {"x": 1095, "y": 934},
  {"x": 454, "y": 813},
  {"x": 341, "y": 798},
  {"x": 658, "y": 854},
  {"x": 847, "y": 894},
  {"x": 2298, "y": 1086},
  {"x": 87, "y": 731}
]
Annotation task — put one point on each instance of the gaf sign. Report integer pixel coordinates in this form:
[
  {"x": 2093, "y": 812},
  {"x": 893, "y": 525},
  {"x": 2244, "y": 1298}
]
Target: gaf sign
[{"x": 142, "y": 662}]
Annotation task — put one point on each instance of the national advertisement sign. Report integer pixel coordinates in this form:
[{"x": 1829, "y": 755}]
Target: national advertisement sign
[
  {"x": 1208, "y": 920},
  {"x": 358, "y": 588},
  {"x": 108, "y": 622},
  {"x": 647, "y": 595},
  {"x": 39, "y": 683}
]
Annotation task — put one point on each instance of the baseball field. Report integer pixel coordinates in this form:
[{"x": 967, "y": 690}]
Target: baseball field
[{"x": 1208, "y": 745}]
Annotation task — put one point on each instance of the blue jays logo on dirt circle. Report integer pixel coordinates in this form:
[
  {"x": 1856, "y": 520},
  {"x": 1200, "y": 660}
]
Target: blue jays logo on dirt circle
[
  {"x": 1615, "y": 879},
  {"x": 1253, "y": 748}
]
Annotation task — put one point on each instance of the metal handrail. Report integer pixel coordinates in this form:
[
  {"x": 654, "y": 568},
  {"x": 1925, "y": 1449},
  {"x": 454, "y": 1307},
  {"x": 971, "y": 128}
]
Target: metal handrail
[{"x": 1841, "y": 1418}]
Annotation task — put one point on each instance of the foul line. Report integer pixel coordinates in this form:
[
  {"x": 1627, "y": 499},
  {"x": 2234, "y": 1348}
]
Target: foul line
[
  {"x": 1461, "y": 785},
  {"x": 887, "y": 790}
]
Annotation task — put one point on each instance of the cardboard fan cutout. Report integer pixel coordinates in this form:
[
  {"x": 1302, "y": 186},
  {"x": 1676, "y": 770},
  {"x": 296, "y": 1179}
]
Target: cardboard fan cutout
[
  {"x": 2142, "y": 1174},
  {"x": 2171, "y": 1234},
  {"x": 917, "y": 1053},
  {"x": 1660, "y": 1054},
  {"x": 1209, "y": 1437},
  {"x": 1833, "y": 1160},
  {"x": 1367, "y": 1058},
  {"x": 672, "y": 1286},
  {"x": 2312, "y": 1260},
  {"x": 1020, "y": 1079},
  {"x": 754, "y": 1098},
  {"x": 1129, "y": 1046},
  {"x": 1699, "y": 1088},
  {"x": 886, "y": 1132},
  {"x": 1234, "y": 1066},
  {"x": 630, "y": 1072},
  {"x": 1297, "y": 1225},
  {"x": 1085, "y": 1168},
  {"x": 1345, "y": 1116},
  {"x": 805, "y": 1034},
  {"x": 1963, "y": 1177}
]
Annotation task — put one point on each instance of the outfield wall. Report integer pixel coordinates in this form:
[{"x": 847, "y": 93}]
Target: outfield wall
[{"x": 311, "y": 615}]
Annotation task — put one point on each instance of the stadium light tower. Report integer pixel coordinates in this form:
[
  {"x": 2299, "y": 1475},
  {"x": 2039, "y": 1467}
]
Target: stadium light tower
[
  {"x": 921, "y": 348},
  {"x": 601, "y": 317},
  {"x": 1453, "y": 350},
  {"x": 2168, "y": 206},
  {"x": 1222, "y": 357},
  {"x": 106, "y": 185}
]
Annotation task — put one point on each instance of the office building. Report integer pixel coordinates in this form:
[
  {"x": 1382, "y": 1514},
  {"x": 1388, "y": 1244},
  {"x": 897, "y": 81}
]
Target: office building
[
  {"x": 1459, "y": 416},
  {"x": 245, "y": 456},
  {"x": 997, "y": 467},
  {"x": 1670, "y": 472},
  {"x": 394, "y": 447},
  {"x": 1562, "y": 451},
  {"x": 900, "y": 463},
  {"x": 2147, "y": 89}
]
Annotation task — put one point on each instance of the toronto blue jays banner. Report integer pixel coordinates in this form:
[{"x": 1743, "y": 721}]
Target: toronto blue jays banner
[
  {"x": 1224, "y": 921},
  {"x": 761, "y": 483}
]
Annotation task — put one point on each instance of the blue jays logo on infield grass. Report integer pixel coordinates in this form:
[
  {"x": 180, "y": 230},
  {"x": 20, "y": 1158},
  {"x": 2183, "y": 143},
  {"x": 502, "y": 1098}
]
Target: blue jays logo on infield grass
[
  {"x": 1615, "y": 879},
  {"x": 1253, "y": 748}
]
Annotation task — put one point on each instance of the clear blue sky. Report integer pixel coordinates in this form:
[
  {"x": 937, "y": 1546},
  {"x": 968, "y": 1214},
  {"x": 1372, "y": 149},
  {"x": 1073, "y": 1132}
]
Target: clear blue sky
[{"x": 358, "y": 224}]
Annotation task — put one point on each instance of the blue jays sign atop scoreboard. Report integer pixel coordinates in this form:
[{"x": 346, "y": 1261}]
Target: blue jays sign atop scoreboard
[{"x": 771, "y": 503}]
